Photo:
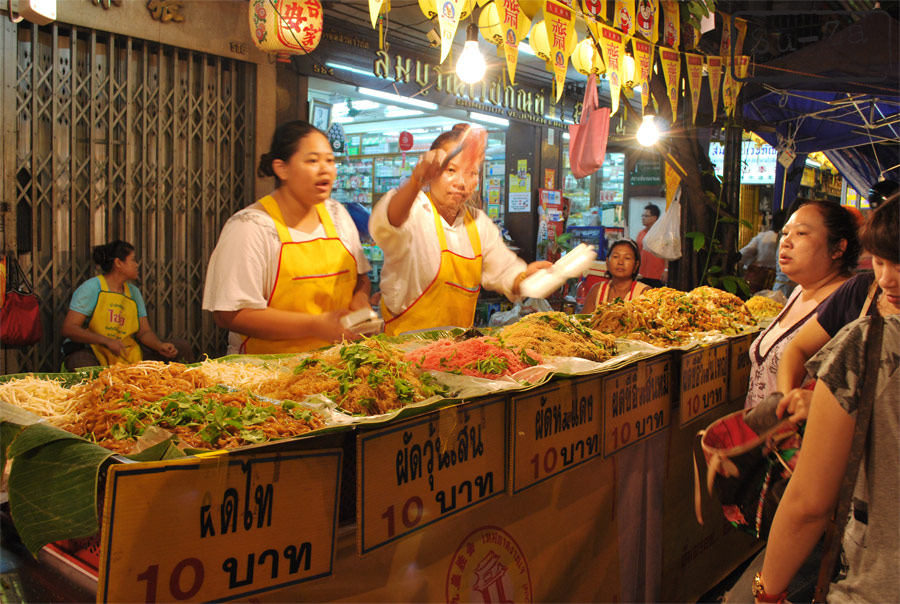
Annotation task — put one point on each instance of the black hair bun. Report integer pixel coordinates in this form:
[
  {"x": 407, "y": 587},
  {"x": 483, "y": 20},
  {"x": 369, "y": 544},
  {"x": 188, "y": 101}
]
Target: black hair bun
[{"x": 265, "y": 166}]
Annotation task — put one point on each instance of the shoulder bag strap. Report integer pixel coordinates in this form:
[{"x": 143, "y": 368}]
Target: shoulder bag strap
[
  {"x": 16, "y": 279},
  {"x": 834, "y": 534}
]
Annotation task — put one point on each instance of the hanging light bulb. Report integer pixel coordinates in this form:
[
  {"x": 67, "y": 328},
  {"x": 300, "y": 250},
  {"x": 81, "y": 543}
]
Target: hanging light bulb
[
  {"x": 470, "y": 67},
  {"x": 648, "y": 133}
]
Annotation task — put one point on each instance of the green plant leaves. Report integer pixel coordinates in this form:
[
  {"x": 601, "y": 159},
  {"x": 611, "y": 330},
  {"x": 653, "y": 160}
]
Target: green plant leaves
[{"x": 698, "y": 238}]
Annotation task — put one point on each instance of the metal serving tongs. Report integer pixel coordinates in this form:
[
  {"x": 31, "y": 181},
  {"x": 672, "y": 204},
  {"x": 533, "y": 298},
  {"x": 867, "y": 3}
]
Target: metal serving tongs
[{"x": 458, "y": 149}]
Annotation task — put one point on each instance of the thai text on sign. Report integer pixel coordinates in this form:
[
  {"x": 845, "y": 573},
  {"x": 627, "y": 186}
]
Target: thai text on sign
[
  {"x": 221, "y": 528},
  {"x": 413, "y": 474},
  {"x": 553, "y": 429},
  {"x": 704, "y": 381},
  {"x": 636, "y": 403}
]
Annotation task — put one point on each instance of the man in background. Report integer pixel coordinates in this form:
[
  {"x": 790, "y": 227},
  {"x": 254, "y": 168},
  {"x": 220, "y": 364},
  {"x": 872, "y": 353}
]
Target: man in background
[{"x": 652, "y": 267}]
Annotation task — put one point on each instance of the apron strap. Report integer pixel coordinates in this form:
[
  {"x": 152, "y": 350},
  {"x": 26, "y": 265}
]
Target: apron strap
[
  {"x": 271, "y": 206},
  {"x": 104, "y": 286},
  {"x": 471, "y": 229},
  {"x": 327, "y": 222}
]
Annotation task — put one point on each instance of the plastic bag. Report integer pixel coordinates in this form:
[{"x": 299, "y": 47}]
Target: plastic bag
[
  {"x": 664, "y": 237},
  {"x": 587, "y": 139},
  {"x": 525, "y": 307}
]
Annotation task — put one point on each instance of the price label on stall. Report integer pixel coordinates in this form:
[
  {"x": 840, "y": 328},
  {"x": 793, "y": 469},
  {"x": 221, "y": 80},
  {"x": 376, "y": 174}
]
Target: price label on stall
[
  {"x": 704, "y": 381},
  {"x": 415, "y": 473},
  {"x": 553, "y": 429},
  {"x": 739, "y": 377},
  {"x": 220, "y": 528},
  {"x": 637, "y": 402}
]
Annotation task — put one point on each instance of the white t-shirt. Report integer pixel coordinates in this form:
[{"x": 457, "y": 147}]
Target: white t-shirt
[
  {"x": 243, "y": 267},
  {"x": 412, "y": 252},
  {"x": 762, "y": 250}
]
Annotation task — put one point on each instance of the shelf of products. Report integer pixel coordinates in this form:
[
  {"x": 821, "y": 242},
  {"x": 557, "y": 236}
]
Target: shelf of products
[{"x": 596, "y": 200}]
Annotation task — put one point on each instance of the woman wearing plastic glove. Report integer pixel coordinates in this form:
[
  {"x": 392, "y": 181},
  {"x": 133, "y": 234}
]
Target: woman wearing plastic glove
[
  {"x": 865, "y": 294},
  {"x": 438, "y": 251},
  {"x": 287, "y": 268}
]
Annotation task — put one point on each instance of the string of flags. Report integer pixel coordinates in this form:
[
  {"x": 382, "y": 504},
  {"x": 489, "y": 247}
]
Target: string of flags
[{"x": 505, "y": 23}]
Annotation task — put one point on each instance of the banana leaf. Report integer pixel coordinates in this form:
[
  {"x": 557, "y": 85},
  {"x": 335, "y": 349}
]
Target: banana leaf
[{"x": 53, "y": 485}]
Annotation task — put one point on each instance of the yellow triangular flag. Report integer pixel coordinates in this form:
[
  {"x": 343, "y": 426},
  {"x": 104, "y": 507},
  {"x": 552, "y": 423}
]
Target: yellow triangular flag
[
  {"x": 594, "y": 12},
  {"x": 728, "y": 87},
  {"x": 672, "y": 17},
  {"x": 714, "y": 71},
  {"x": 375, "y": 7},
  {"x": 612, "y": 45},
  {"x": 643, "y": 55},
  {"x": 448, "y": 17},
  {"x": 695, "y": 81},
  {"x": 514, "y": 24},
  {"x": 559, "y": 20},
  {"x": 646, "y": 19},
  {"x": 671, "y": 62},
  {"x": 623, "y": 19}
]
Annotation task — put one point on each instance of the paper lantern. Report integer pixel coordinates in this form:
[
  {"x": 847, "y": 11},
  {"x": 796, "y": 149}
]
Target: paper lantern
[
  {"x": 291, "y": 27},
  {"x": 429, "y": 8},
  {"x": 538, "y": 40},
  {"x": 586, "y": 59},
  {"x": 489, "y": 24}
]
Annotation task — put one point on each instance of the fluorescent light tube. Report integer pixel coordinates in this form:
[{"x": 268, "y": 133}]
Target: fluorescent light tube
[
  {"x": 488, "y": 119},
  {"x": 378, "y": 94}
]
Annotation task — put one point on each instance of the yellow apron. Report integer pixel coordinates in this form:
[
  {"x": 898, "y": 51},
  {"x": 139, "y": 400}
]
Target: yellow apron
[
  {"x": 313, "y": 277},
  {"x": 451, "y": 296},
  {"x": 115, "y": 316}
]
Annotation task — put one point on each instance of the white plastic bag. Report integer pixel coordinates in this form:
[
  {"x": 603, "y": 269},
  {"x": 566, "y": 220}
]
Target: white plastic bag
[{"x": 664, "y": 237}]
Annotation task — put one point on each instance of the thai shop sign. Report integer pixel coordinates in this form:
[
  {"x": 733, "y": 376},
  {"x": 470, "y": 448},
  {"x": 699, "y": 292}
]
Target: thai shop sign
[
  {"x": 646, "y": 172},
  {"x": 757, "y": 162},
  {"x": 739, "y": 354},
  {"x": 416, "y": 473},
  {"x": 224, "y": 527},
  {"x": 356, "y": 58}
]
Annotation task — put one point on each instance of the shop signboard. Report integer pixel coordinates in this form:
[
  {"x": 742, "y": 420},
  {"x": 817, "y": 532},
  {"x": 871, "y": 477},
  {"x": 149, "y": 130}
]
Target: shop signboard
[
  {"x": 416, "y": 473},
  {"x": 704, "y": 381},
  {"x": 739, "y": 355},
  {"x": 637, "y": 403},
  {"x": 552, "y": 430},
  {"x": 223, "y": 527},
  {"x": 646, "y": 172},
  {"x": 758, "y": 162}
]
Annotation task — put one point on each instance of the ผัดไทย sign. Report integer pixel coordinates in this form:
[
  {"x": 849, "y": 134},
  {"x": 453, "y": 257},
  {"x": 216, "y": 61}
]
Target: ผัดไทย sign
[{"x": 223, "y": 527}]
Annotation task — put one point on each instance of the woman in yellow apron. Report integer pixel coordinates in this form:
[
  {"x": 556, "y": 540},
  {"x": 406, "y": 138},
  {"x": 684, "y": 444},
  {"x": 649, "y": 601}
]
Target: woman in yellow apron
[
  {"x": 287, "y": 268},
  {"x": 439, "y": 252},
  {"x": 116, "y": 317}
]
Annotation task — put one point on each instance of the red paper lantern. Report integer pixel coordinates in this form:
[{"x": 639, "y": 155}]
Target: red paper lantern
[{"x": 290, "y": 27}]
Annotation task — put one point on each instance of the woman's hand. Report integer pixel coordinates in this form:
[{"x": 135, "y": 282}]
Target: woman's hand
[
  {"x": 168, "y": 350},
  {"x": 536, "y": 266},
  {"x": 331, "y": 329},
  {"x": 429, "y": 166},
  {"x": 115, "y": 346},
  {"x": 796, "y": 404}
]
